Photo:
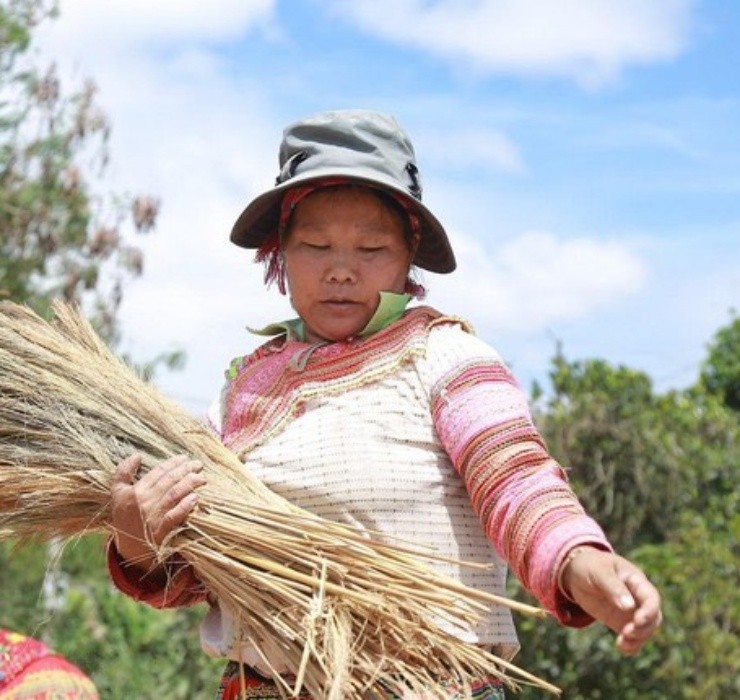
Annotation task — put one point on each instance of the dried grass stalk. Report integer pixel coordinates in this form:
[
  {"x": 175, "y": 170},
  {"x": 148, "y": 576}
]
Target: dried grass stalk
[{"x": 349, "y": 613}]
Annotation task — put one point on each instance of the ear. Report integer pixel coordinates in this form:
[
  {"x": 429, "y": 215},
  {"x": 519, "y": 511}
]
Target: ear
[{"x": 414, "y": 246}]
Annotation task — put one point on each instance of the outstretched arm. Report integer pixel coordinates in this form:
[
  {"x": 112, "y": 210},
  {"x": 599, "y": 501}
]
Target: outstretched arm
[{"x": 523, "y": 498}]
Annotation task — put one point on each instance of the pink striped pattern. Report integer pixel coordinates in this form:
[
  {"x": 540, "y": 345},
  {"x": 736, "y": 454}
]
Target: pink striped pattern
[{"x": 520, "y": 493}]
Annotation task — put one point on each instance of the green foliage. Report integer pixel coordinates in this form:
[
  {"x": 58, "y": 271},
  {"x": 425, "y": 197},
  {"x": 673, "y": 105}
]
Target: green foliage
[
  {"x": 21, "y": 604},
  {"x": 597, "y": 424},
  {"x": 721, "y": 371},
  {"x": 696, "y": 654},
  {"x": 128, "y": 649},
  {"x": 660, "y": 473},
  {"x": 622, "y": 443},
  {"x": 17, "y": 19}
]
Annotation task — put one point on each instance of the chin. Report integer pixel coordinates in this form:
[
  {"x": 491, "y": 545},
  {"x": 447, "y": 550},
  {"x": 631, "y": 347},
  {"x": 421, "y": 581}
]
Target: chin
[{"x": 336, "y": 335}]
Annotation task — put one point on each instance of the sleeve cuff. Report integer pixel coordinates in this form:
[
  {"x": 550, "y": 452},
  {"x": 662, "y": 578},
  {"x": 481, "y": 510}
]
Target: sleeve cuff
[
  {"x": 566, "y": 611},
  {"x": 550, "y": 549},
  {"x": 182, "y": 587}
]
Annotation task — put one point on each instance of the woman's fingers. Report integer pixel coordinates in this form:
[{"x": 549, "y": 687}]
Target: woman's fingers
[
  {"x": 614, "y": 587},
  {"x": 126, "y": 471},
  {"x": 167, "y": 472},
  {"x": 171, "y": 497},
  {"x": 632, "y": 637},
  {"x": 175, "y": 506},
  {"x": 647, "y": 598},
  {"x": 168, "y": 476},
  {"x": 174, "y": 517},
  {"x": 647, "y": 616}
]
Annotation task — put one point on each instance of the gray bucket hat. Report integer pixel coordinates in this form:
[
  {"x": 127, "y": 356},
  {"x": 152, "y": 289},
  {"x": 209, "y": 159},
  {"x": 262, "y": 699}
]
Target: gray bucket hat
[{"x": 364, "y": 146}]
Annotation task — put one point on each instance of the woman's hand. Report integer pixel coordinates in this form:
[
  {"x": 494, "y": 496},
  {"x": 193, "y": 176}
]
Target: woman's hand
[
  {"x": 146, "y": 510},
  {"x": 614, "y": 591}
]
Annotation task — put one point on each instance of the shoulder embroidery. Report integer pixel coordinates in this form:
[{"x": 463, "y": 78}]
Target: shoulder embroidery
[
  {"x": 267, "y": 390},
  {"x": 242, "y": 361}
]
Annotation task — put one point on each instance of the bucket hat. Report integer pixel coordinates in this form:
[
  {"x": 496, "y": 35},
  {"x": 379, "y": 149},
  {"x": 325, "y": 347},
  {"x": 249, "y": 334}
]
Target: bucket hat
[{"x": 366, "y": 147}]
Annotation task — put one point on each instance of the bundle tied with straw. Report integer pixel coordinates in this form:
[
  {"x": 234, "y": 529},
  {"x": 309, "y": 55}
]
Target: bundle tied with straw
[{"x": 350, "y": 613}]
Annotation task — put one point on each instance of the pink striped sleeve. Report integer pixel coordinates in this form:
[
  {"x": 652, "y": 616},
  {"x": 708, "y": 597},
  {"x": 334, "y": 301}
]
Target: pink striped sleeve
[{"x": 520, "y": 493}]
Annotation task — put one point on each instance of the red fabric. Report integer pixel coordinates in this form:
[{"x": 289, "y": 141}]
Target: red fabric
[
  {"x": 242, "y": 682},
  {"x": 29, "y": 670},
  {"x": 294, "y": 195},
  {"x": 183, "y": 587}
]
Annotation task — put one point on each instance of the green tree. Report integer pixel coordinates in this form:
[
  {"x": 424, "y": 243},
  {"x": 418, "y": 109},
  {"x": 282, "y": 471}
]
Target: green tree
[
  {"x": 721, "y": 370},
  {"x": 660, "y": 473},
  {"x": 606, "y": 427}
]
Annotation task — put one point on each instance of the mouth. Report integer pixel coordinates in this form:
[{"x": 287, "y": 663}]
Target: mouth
[
  {"x": 340, "y": 305},
  {"x": 340, "y": 302}
]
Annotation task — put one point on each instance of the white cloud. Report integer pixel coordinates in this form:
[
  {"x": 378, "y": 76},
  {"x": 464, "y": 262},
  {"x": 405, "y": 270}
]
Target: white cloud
[
  {"x": 130, "y": 23},
  {"x": 536, "y": 280},
  {"x": 590, "y": 41}
]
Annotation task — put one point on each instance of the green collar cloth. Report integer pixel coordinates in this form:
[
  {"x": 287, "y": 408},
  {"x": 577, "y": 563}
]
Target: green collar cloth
[{"x": 390, "y": 309}]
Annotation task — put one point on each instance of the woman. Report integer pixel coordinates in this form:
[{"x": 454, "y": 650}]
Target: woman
[{"x": 397, "y": 420}]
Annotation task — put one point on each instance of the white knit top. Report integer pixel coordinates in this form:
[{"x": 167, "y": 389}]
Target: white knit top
[{"x": 370, "y": 456}]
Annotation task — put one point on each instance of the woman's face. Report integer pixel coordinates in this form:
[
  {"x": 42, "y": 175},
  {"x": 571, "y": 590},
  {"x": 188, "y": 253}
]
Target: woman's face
[{"x": 343, "y": 247}]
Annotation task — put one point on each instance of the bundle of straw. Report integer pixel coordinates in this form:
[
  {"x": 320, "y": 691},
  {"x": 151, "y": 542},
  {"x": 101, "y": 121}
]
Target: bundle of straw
[{"x": 351, "y": 614}]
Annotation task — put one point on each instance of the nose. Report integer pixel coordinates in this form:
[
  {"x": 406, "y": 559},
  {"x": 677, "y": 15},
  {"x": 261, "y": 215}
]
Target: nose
[{"x": 341, "y": 269}]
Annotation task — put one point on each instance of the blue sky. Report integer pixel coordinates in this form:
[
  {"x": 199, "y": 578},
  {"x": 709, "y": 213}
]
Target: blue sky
[{"x": 584, "y": 156}]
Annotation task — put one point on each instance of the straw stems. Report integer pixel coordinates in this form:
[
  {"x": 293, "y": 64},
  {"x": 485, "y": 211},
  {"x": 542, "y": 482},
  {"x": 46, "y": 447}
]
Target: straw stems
[{"x": 350, "y": 614}]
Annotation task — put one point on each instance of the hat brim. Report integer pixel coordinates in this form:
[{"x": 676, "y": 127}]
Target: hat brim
[{"x": 260, "y": 218}]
